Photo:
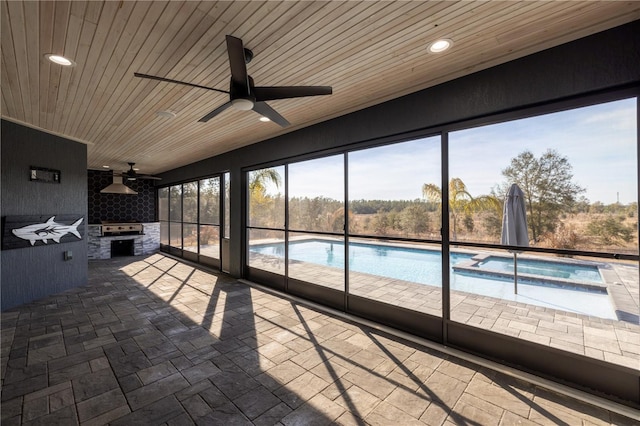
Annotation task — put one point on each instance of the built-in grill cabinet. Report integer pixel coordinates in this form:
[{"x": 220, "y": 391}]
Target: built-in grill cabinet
[{"x": 109, "y": 229}]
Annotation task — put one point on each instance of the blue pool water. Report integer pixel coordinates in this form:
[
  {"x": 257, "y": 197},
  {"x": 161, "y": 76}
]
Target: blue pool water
[
  {"x": 568, "y": 271},
  {"x": 403, "y": 263},
  {"x": 414, "y": 264},
  {"x": 424, "y": 266}
]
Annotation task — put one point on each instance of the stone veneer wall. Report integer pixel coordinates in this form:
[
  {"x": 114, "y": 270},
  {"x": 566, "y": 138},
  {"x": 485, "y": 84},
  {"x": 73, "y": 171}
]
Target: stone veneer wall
[{"x": 147, "y": 243}]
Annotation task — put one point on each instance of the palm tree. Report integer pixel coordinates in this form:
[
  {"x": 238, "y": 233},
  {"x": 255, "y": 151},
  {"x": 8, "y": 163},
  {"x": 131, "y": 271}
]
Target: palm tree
[
  {"x": 258, "y": 180},
  {"x": 336, "y": 219},
  {"x": 460, "y": 200},
  {"x": 265, "y": 208}
]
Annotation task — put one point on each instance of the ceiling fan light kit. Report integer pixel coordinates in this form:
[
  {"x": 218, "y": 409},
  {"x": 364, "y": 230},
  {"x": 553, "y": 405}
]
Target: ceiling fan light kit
[
  {"x": 242, "y": 104},
  {"x": 243, "y": 94}
]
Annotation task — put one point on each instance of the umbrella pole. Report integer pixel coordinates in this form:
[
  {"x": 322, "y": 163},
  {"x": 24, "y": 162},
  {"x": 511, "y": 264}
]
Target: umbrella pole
[{"x": 515, "y": 272}]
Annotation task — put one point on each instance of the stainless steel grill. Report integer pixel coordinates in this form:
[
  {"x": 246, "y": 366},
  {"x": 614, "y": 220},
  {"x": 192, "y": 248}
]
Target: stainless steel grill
[{"x": 124, "y": 228}]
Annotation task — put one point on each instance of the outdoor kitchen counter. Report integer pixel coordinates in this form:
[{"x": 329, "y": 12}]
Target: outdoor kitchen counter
[{"x": 100, "y": 246}]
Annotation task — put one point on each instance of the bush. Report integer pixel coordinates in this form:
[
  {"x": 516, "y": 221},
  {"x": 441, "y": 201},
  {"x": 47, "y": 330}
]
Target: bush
[
  {"x": 493, "y": 224},
  {"x": 563, "y": 237},
  {"x": 206, "y": 233},
  {"x": 610, "y": 231},
  {"x": 468, "y": 223}
]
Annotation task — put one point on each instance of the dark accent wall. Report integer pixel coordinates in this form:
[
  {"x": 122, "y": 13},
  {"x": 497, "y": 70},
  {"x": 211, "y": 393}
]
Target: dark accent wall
[
  {"x": 35, "y": 272},
  {"x": 601, "y": 62},
  {"x": 120, "y": 207}
]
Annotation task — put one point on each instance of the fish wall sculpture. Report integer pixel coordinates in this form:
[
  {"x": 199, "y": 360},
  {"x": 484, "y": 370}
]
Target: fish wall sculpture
[
  {"x": 50, "y": 230},
  {"x": 25, "y": 231}
]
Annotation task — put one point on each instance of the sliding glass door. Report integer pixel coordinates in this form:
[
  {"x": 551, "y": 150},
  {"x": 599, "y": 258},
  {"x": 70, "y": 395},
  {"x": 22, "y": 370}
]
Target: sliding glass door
[
  {"x": 394, "y": 235},
  {"x": 363, "y": 231},
  {"x": 175, "y": 220},
  {"x": 209, "y": 221},
  {"x": 266, "y": 226},
  {"x": 190, "y": 220},
  {"x": 315, "y": 237},
  {"x": 571, "y": 282},
  {"x": 380, "y": 257}
]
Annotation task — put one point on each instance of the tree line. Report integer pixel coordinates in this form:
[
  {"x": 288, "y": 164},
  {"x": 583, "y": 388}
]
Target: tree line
[{"x": 551, "y": 196}]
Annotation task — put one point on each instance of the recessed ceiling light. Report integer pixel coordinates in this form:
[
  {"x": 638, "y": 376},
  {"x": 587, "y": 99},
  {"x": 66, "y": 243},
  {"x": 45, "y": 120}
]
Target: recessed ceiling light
[
  {"x": 106, "y": 167},
  {"x": 264, "y": 119},
  {"x": 166, "y": 114},
  {"x": 440, "y": 45},
  {"x": 60, "y": 60}
]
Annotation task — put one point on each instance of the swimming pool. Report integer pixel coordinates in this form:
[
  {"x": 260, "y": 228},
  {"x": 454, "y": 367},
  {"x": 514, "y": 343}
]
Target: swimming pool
[
  {"x": 570, "y": 271},
  {"x": 404, "y": 263},
  {"x": 424, "y": 266}
]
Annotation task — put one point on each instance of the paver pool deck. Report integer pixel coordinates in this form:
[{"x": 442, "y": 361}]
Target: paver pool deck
[
  {"x": 614, "y": 341},
  {"x": 155, "y": 341}
]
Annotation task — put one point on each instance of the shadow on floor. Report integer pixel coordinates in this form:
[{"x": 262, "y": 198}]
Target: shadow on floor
[{"x": 156, "y": 341}]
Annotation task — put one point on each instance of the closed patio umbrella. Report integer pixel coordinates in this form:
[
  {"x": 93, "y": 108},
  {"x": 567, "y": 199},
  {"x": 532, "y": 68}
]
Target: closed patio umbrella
[{"x": 514, "y": 226}]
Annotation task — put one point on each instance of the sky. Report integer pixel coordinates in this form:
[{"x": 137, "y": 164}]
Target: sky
[{"x": 599, "y": 142}]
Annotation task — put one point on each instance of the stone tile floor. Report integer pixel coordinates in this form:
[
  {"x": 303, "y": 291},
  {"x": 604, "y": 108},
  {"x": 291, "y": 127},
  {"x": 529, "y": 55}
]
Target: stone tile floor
[{"x": 151, "y": 340}]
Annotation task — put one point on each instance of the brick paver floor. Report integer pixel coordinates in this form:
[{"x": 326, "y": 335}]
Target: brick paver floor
[{"x": 152, "y": 340}]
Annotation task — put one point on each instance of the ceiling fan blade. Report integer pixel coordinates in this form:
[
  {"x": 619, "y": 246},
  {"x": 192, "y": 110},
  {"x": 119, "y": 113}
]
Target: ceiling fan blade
[
  {"x": 263, "y": 109},
  {"x": 285, "y": 92},
  {"x": 239, "y": 75},
  {"x": 168, "y": 80},
  {"x": 133, "y": 176},
  {"x": 215, "y": 112}
]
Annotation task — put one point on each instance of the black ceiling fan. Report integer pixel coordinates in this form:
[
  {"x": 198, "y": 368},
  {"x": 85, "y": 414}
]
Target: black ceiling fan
[
  {"x": 243, "y": 94},
  {"x": 133, "y": 175}
]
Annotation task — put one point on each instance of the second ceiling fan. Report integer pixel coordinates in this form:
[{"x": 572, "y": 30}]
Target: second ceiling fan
[
  {"x": 131, "y": 174},
  {"x": 243, "y": 94}
]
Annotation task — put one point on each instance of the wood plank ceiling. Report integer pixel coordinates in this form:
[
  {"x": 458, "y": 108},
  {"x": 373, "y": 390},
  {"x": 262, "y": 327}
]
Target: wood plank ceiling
[{"x": 369, "y": 51}]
